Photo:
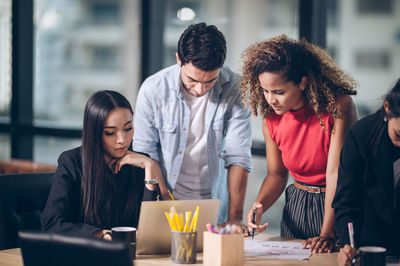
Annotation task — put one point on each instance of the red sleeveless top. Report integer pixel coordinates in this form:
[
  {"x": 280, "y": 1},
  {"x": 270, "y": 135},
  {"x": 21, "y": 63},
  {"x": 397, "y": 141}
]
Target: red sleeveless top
[{"x": 303, "y": 143}]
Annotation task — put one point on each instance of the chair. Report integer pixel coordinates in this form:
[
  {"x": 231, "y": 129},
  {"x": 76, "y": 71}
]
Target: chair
[
  {"x": 22, "y": 199},
  {"x": 46, "y": 249}
]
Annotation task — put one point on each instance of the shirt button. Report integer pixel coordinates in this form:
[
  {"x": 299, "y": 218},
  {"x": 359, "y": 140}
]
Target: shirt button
[
  {"x": 163, "y": 127},
  {"x": 212, "y": 173},
  {"x": 179, "y": 152},
  {"x": 184, "y": 129},
  {"x": 208, "y": 150}
]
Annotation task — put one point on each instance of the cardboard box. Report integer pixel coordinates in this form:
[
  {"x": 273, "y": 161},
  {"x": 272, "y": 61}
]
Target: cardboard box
[{"x": 223, "y": 250}]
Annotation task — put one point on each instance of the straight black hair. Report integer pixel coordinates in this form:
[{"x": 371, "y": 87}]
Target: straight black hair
[
  {"x": 203, "y": 46},
  {"x": 393, "y": 98},
  {"x": 96, "y": 202}
]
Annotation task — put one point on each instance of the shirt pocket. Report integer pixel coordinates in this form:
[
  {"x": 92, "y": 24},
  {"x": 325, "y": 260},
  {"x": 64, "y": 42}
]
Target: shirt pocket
[
  {"x": 166, "y": 131},
  {"x": 165, "y": 126}
]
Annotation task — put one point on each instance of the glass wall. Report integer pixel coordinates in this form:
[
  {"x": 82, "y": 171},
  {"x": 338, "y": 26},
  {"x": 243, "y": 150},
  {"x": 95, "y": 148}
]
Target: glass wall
[
  {"x": 48, "y": 149},
  {"x": 5, "y": 151},
  {"x": 5, "y": 60},
  {"x": 364, "y": 37},
  {"x": 81, "y": 47}
]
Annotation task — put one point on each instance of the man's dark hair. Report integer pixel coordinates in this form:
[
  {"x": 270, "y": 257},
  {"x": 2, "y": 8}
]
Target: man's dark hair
[{"x": 203, "y": 46}]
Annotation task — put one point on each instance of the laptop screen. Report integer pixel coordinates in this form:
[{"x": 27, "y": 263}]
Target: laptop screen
[
  {"x": 154, "y": 232},
  {"x": 46, "y": 249}
]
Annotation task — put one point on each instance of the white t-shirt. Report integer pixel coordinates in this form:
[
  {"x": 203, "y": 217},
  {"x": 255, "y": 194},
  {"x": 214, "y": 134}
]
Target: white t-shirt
[{"x": 194, "y": 182}]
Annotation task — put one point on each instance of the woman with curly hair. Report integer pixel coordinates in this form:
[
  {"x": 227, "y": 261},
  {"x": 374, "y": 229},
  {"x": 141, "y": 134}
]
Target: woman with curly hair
[{"x": 304, "y": 99}]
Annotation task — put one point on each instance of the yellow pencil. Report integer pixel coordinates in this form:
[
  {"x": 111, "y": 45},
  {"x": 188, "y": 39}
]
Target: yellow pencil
[
  {"x": 171, "y": 223},
  {"x": 170, "y": 195},
  {"x": 177, "y": 222},
  {"x": 181, "y": 222},
  {"x": 187, "y": 214},
  {"x": 194, "y": 220},
  {"x": 197, "y": 216}
]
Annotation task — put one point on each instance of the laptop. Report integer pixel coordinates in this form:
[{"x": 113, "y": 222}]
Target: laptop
[
  {"x": 154, "y": 232},
  {"x": 45, "y": 249}
]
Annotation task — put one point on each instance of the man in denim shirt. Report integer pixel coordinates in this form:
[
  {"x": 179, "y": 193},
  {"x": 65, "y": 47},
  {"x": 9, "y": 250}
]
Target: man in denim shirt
[{"x": 191, "y": 119}]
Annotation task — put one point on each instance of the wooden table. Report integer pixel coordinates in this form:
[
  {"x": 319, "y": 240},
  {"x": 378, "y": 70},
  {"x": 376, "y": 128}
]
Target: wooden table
[{"x": 12, "y": 257}]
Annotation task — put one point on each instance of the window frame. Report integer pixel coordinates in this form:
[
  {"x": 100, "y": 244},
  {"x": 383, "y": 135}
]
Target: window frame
[{"x": 312, "y": 27}]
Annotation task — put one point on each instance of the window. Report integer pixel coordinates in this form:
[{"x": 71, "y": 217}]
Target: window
[
  {"x": 5, "y": 152},
  {"x": 5, "y": 60},
  {"x": 105, "y": 57},
  {"x": 48, "y": 149},
  {"x": 377, "y": 60},
  {"x": 108, "y": 12},
  {"x": 79, "y": 51},
  {"x": 366, "y": 51},
  {"x": 80, "y": 47},
  {"x": 370, "y": 7}
]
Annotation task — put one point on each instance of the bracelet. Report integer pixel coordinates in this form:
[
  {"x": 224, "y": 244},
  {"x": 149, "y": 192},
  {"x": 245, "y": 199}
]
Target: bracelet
[{"x": 153, "y": 181}]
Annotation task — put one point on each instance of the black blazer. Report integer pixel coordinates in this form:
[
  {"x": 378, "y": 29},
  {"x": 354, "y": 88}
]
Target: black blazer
[
  {"x": 365, "y": 186},
  {"x": 63, "y": 210}
]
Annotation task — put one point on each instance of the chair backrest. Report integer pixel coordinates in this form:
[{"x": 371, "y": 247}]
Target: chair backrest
[
  {"x": 22, "y": 199},
  {"x": 14, "y": 166},
  {"x": 47, "y": 249}
]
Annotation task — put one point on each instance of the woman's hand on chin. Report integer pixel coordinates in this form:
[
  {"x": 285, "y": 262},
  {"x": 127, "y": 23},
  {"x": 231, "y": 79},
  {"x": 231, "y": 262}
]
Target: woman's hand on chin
[
  {"x": 151, "y": 167},
  {"x": 130, "y": 158}
]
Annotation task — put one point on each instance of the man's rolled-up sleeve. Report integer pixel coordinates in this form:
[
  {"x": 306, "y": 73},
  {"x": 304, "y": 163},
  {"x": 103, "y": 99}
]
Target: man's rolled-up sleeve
[{"x": 238, "y": 136}]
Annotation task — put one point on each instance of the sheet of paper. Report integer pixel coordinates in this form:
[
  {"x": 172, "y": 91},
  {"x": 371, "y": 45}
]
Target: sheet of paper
[{"x": 275, "y": 249}]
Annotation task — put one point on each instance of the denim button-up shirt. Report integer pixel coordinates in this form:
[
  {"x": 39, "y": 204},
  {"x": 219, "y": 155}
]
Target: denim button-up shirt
[{"x": 162, "y": 119}]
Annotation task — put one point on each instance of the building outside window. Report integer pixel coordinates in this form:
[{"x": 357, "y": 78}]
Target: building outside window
[
  {"x": 5, "y": 59},
  {"x": 366, "y": 39},
  {"x": 80, "y": 47},
  {"x": 5, "y": 74}
]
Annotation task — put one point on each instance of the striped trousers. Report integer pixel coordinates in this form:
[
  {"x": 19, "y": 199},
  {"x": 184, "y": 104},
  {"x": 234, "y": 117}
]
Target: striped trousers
[{"x": 303, "y": 213}]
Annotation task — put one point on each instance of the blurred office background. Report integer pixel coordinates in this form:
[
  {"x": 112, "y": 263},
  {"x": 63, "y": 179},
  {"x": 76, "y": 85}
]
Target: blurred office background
[{"x": 55, "y": 53}]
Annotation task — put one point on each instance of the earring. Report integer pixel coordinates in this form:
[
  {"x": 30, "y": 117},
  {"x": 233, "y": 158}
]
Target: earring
[{"x": 385, "y": 119}]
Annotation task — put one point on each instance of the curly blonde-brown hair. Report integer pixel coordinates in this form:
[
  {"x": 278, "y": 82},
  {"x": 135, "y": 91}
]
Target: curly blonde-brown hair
[{"x": 294, "y": 60}]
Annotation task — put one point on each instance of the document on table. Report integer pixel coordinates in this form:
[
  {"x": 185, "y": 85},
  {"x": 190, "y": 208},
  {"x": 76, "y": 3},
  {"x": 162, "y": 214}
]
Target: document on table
[{"x": 275, "y": 249}]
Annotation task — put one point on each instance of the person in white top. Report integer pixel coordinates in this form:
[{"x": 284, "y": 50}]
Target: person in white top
[{"x": 191, "y": 119}]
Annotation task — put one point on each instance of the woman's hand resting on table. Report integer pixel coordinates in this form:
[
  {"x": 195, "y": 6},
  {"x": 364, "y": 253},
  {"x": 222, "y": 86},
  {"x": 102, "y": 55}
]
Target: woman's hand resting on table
[{"x": 320, "y": 244}]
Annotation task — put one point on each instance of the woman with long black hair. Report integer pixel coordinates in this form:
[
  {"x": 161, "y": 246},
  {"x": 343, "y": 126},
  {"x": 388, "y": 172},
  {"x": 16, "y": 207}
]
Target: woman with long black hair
[
  {"x": 102, "y": 183},
  {"x": 368, "y": 188}
]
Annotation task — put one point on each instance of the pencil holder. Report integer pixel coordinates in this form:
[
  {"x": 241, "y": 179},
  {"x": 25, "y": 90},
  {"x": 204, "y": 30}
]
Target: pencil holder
[
  {"x": 223, "y": 250},
  {"x": 183, "y": 247}
]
